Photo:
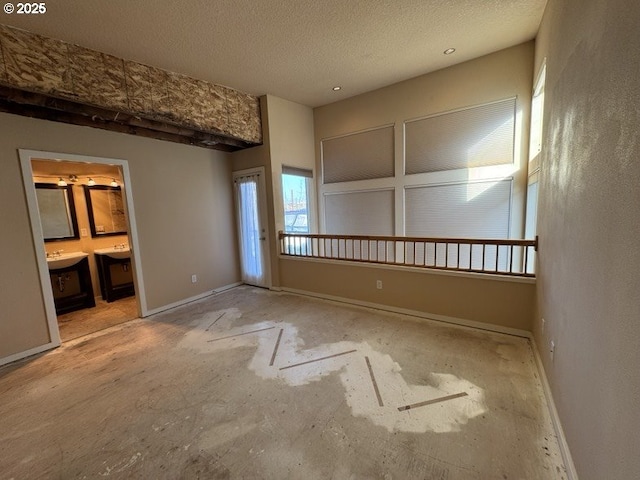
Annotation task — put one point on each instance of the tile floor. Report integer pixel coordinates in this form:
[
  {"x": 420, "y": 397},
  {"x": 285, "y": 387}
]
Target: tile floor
[{"x": 89, "y": 320}]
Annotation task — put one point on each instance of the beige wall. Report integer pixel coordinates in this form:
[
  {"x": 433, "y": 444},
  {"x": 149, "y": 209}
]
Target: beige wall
[
  {"x": 183, "y": 205},
  {"x": 589, "y": 226},
  {"x": 291, "y": 145},
  {"x": 493, "y": 301},
  {"x": 497, "y": 76},
  {"x": 504, "y": 74},
  {"x": 287, "y": 140}
]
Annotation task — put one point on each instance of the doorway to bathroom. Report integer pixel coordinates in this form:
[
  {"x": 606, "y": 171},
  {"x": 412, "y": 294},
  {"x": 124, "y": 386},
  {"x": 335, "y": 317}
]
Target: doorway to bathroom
[{"x": 81, "y": 216}]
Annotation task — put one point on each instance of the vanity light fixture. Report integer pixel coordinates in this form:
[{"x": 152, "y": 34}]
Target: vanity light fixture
[
  {"x": 114, "y": 183},
  {"x": 61, "y": 182},
  {"x": 337, "y": 88},
  {"x": 91, "y": 182},
  {"x": 449, "y": 51}
]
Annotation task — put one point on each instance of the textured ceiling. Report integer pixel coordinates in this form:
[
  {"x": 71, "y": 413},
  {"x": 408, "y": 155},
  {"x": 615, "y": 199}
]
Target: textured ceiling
[{"x": 294, "y": 49}]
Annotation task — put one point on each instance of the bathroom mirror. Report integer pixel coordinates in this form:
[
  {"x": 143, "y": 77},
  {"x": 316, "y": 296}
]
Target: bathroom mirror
[
  {"x": 106, "y": 210},
  {"x": 57, "y": 212}
]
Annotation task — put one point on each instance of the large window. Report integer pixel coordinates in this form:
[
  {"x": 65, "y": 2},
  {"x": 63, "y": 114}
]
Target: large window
[
  {"x": 535, "y": 150},
  {"x": 296, "y": 195},
  {"x": 537, "y": 114},
  {"x": 459, "y": 168},
  {"x": 456, "y": 175}
]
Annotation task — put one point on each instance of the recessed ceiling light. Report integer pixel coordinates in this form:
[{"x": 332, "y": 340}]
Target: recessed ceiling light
[
  {"x": 449, "y": 51},
  {"x": 336, "y": 88}
]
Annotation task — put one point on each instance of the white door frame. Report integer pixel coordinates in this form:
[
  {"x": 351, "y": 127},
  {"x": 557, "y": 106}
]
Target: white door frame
[
  {"x": 262, "y": 212},
  {"x": 38, "y": 238}
]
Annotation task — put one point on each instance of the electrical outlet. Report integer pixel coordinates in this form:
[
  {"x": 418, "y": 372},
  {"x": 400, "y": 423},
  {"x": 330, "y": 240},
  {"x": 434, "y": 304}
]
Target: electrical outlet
[
  {"x": 552, "y": 349},
  {"x": 194, "y": 278},
  {"x": 379, "y": 284}
]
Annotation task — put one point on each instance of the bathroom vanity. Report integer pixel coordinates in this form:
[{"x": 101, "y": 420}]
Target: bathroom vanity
[
  {"x": 114, "y": 273},
  {"x": 71, "y": 282}
]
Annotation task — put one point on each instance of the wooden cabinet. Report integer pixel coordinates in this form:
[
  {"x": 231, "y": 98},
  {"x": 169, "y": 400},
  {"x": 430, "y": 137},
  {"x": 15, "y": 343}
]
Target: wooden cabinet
[
  {"x": 116, "y": 277},
  {"x": 72, "y": 289}
]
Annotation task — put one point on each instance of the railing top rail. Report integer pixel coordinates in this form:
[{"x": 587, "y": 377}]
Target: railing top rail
[{"x": 388, "y": 238}]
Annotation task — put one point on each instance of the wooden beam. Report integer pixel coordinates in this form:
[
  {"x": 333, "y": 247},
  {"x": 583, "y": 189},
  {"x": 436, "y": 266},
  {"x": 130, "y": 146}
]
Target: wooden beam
[
  {"x": 44, "y": 107},
  {"x": 62, "y": 77}
]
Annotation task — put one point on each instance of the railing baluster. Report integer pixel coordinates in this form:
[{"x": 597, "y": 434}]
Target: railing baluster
[
  {"x": 397, "y": 250},
  {"x": 511, "y": 259},
  {"x": 446, "y": 255}
]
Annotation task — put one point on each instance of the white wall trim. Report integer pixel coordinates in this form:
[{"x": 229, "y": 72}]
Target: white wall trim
[
  {"x": 26, "y": 156},
  {"x": 41, "y": 257},
  {"x": 461, "y": 322},
  {"x": 572, "y": 474},
  {"x": 185, "y": 301},
  {"x": 28, "y": 353},
  {"x": 227, "y": 287}
]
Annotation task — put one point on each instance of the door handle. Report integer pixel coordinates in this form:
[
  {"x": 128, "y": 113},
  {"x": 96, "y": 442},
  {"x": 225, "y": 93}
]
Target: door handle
[{"x": 263, "y": 238}]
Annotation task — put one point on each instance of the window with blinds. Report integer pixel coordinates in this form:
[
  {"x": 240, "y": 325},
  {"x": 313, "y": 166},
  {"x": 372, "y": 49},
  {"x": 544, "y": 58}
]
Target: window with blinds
[
  {"x": 360, "y": 213},
  {"x": 449, "y": 186},
  {"x": 473, "y": 137},
  {"x": 358, "y": 156},
  {"x": 465, "y": 210}
]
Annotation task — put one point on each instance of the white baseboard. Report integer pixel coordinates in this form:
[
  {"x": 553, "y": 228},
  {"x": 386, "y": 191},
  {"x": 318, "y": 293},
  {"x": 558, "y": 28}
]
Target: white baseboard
[
  {"x": 27, "y": 353},
  {"x": 572, "y": 474},
  {"x": 227, "y": 287},
  {"x": 185, "y": 301},
  {"x": 416, "y": 313},
  {"x": 557, "y": 426}
]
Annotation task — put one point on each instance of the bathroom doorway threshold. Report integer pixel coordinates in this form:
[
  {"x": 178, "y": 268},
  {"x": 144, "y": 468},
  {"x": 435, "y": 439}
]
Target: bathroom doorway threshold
[{"x": 140, "y": 309}]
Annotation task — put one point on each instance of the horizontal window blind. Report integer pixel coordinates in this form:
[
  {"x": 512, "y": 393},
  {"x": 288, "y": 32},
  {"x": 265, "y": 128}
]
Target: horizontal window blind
[
  {"x": 467, "y": 210},
  {"x": 360, "y": 213},
  {"x": 299, "y": 172},
  {"x": 358, "y": 156},
  {"x": 474, "y": 137}
]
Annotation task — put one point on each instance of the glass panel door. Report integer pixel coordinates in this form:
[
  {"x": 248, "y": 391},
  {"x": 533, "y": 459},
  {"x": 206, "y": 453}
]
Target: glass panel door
[{"x": 252, "y": 233}]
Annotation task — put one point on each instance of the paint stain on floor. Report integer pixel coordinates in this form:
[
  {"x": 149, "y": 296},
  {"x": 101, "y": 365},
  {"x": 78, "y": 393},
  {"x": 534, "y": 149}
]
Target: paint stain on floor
[{"x": 374, "y": 387}]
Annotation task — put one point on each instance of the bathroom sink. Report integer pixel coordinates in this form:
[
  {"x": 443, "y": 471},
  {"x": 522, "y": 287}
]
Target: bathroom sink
[
  {"x": 65, "y": 260},
  {"x": 114, "y": 252}
]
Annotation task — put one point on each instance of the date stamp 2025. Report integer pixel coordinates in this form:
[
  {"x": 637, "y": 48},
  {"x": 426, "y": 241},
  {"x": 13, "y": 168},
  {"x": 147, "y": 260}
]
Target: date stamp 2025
[{"x": 31, "y": 8}]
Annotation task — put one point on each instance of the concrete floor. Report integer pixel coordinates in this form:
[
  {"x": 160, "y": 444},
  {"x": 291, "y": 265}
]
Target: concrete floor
[{"x": 254, "y": 384}]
